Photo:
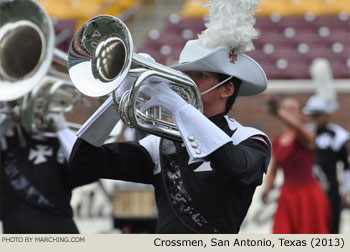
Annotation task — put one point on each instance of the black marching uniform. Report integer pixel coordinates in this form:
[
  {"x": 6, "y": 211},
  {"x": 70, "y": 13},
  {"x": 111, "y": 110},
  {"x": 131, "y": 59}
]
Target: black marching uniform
[
  {"x": 35, "y": 190},
  {"x": 331, "y": 147},
  {"x": 191, "y": 197}
]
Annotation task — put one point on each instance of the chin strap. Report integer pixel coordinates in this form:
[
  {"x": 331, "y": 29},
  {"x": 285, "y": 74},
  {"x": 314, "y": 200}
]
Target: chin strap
[{"x": 217, "y": 85}]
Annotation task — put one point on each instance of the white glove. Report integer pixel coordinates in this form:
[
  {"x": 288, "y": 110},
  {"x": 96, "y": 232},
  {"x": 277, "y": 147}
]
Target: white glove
[
  {"x": 67, "y": 139},
  {"x": 200, "y": 136},
  {"x": 129, "y": 80},
  {"x": 64, "y": 134},
  {"x": 58, "y": 121},
  {"x": 125, "y": 86},
  {"x": 147, "y": 56},
  {"x": 160, "y": 95}
]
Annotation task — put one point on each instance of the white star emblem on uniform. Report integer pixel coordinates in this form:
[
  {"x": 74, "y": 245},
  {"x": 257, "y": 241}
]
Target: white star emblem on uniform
[{"x": 40, "y": 153}]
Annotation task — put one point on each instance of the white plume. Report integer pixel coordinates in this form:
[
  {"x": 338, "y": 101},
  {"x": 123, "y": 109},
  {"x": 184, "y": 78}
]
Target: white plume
[
  {"x": 322, "y": 76},
  {"x": 231, "y": 24}
]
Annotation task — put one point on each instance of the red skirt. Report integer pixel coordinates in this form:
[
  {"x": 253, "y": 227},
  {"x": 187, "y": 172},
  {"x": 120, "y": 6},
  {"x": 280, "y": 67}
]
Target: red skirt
[{"x": 302, "y": 210}]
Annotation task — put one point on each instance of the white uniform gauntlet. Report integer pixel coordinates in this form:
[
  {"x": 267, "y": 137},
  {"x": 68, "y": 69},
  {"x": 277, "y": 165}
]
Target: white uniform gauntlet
[
  {"x": 200, "y": 136},
  {"x": 98, "y": 127}
]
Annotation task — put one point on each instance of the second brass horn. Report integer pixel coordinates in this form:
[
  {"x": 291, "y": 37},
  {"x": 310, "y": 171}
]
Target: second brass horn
[
  {"x": 33, "y": 75},
  {"x": 102, "y": 55}
]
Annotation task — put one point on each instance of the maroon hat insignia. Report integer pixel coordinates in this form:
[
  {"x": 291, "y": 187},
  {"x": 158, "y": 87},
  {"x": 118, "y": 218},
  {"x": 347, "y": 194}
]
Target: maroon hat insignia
[{"x": 232, "y": 56}]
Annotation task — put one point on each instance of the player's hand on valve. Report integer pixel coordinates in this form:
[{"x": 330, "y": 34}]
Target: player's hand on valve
[
  {"x": 161, "y": 95},
  {"x": 129, "y": 80}
]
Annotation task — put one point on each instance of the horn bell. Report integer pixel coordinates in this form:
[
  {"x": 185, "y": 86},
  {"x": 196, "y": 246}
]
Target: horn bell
[
  {"x": 26, "y": 46},
  {"x": 100, "y": 56}
]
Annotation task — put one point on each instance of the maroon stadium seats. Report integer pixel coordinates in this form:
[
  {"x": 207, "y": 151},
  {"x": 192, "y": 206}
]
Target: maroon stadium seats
[{"x": 285, "y": 47}]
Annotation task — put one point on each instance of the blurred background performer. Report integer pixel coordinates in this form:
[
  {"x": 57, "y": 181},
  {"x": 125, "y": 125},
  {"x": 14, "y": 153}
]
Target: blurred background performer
[
  {"x": 332, "y": 141},
  {"x": 35, "y": 189},
  {"x": 303, "y": 207},
  {"x": 205, "y": 182}
]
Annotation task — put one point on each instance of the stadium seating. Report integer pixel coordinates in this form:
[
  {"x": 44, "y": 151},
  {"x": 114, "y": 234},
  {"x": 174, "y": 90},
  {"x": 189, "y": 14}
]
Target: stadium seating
[
  {"x": 286, "y": 45},
  {"x": 83, "y": 10},
  {"x": 193, "y": 8}
]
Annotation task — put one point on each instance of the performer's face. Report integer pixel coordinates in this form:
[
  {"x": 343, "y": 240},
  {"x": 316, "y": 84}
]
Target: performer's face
[
  {"x": 291, "y": 107},
  {"x": 204, "y": 80},
  {"x": 213, "y": 100},
  {"x": 320, "y": 119}
]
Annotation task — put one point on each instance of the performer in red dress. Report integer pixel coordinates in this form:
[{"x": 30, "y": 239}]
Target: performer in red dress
[{"x": 302, "y": 206}]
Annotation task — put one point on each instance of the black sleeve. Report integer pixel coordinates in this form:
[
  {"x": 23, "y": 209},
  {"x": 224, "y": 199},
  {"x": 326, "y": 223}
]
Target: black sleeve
[
  {"x": 244, "y": 163},
  {"x": 127, "y": 161}
]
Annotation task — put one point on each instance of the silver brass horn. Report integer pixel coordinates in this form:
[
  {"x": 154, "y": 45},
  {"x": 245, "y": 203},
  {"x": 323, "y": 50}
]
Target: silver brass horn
[
  {"x": 101, "y": 55},
  {"x": 26, "y": 46},
  {"x": 30, "y": 68}
]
